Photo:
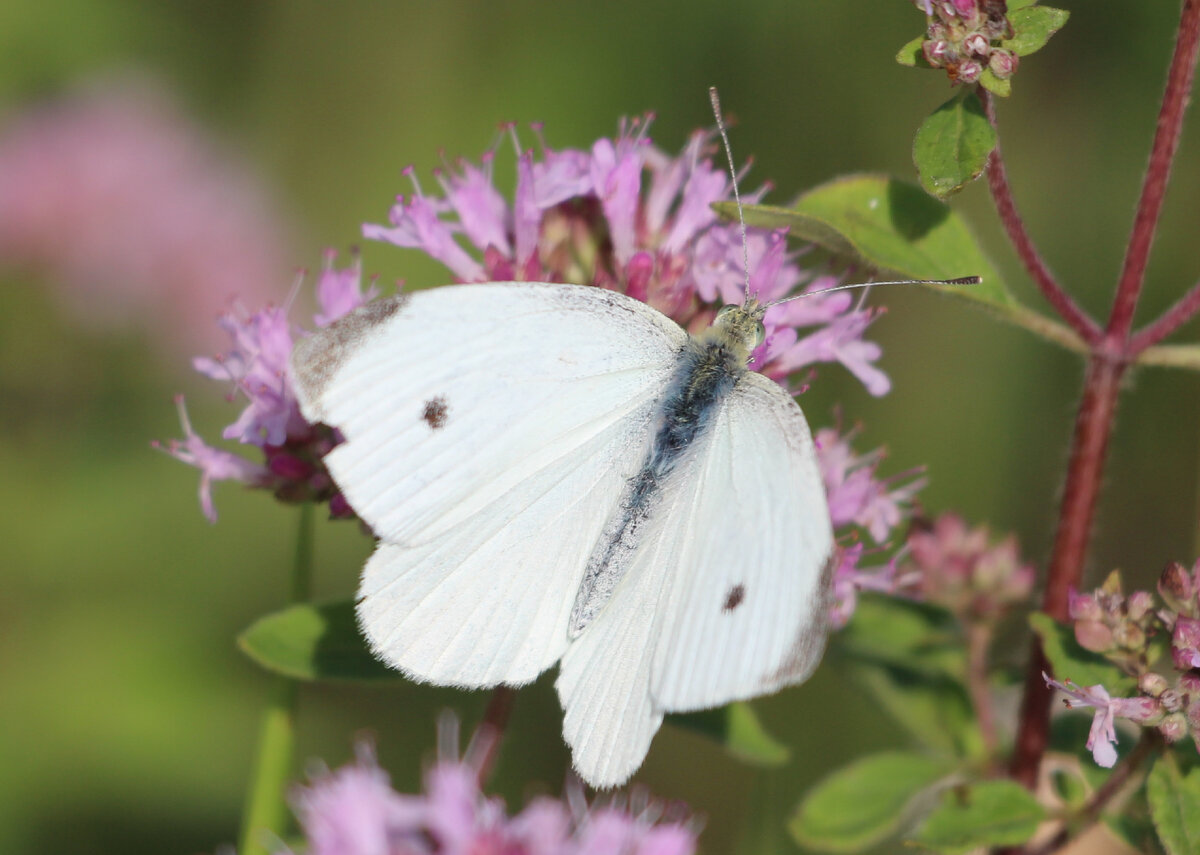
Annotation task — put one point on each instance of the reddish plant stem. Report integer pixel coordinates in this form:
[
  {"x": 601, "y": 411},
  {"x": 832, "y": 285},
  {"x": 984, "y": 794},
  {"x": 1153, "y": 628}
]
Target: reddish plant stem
[
  {"x": 485, "y": 743},
  {"x": 1094, "y": 420},
  {"x": 1148, "y": 746},
  {"x": 1171, "y": 320},
  {"x": 1089, "y": 443},
  {"x": 1006, "y": 207},
  {"x": 1154, "y": 186}
]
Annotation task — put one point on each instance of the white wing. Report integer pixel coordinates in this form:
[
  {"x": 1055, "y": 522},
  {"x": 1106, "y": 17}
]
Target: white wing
[
  {"x": 749, "y": 592},
  {"x": 489, "y": 431},
  {"x": 726, "y": 596}
]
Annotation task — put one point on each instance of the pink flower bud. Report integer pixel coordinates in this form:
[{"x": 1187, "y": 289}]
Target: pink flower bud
[
  {"x": 339, "y": 508},
  {"x": 1094, "y": 636},
  {"x": 1171, "y": 700},
  {"x": 976, "y": 45},
  {"x": 1185, "y": 644},
  {"x": 1003, "y": 63},
  {"x": 1174, "y": 727},
  {"x": 969, "y": 71},
  {"x": 1139, "y": 605},
  {"x": 289, "y": 466},
  {"x": 1193, "y": 717},
  {"x": 1153, "y": 684},
  {"x": 935, "y": 52},
  {"x": 1083, "y": 606},
  {"x": 1175, "y": 587}
]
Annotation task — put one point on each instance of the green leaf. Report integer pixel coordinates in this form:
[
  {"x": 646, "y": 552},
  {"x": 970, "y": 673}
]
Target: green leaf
[
  {"x": 990, "y": 813},
  {"x": 736, "y": 726},
  {"x": 1014, "y": 5},
  {"x": 890, "y": 226},
  {"x": 896, "y": 229},
  {"x": 313, "y": 642},
  {"x": 935, "y": 710},
  {"x": 913, "y": 635},
  {"x": 912, "y": 55},
  {"x": 997, "y": 86},
  {"x": 1032, "y": 28},
  {"x": 1074, "y": 663},
  {"x": 1174, "y": 799},
  {"x": 952, "y": 145},
  {"x": 864, "y": 803}
]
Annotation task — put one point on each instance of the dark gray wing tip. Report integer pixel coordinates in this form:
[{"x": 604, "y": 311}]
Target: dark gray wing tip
[
  {"x": 317, "y": 358},
  {"x": 808, "y": 646}
]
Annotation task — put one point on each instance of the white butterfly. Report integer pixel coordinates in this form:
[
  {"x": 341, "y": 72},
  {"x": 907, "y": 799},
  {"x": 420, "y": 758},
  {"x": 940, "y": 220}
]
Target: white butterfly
[{"x": 560, "y": 473}]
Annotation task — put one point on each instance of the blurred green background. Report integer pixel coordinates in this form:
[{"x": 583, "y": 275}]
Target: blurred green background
[{"x": 129, "y": 717}]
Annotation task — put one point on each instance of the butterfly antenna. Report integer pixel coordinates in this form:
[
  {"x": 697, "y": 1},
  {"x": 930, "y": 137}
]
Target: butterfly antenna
[
  {"x": 961, "y": 280},
  {"x": 737, "y": 197}
]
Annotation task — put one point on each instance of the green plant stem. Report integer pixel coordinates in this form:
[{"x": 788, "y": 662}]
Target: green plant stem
[
  {"x": 264, "y": 817},
  {"x": 979, "y": 639}
]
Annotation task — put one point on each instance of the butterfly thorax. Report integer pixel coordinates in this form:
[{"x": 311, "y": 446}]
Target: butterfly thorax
[{"x": 709, "y": 366}]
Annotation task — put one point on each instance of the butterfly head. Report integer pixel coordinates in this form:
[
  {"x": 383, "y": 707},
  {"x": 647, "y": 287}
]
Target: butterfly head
[{"x": 741, "y": 327}]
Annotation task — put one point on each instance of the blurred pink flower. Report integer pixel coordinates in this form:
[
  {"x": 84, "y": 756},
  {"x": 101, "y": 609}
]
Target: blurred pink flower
[
  {"x": 134, "y": 214},
  {"x": 959, "y": 568},
  {"x": 354, "y": 811}
]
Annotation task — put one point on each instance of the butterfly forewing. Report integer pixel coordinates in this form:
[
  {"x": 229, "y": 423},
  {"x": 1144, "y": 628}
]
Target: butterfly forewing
[{"x": 490, "y": 429}]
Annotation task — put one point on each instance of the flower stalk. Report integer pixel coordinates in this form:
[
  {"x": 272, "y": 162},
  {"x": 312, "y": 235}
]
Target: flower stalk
[{"x": 265, "y": 814}]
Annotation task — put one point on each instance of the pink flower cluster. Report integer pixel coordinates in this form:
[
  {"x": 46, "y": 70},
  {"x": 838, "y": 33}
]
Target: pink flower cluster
[
  {"x": 963, "y": 38},
  {"x": 354, "y": 811},
  {"x": 626, "y": 216},
  {"x": 1129, "y": 630},
  {"x": 959, "y": 568},
  {"x": 256, "y": 369},
  {"x": 859, "y": 501}
]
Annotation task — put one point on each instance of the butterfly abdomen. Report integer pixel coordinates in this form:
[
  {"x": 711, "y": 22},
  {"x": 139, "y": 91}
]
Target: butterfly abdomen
[{"x": 708, "y": 370}]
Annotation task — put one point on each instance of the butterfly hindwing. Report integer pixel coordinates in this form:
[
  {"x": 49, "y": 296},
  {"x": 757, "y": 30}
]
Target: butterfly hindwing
[
  {"x": 745, "y": 610},
  {"x": 726, "y": 595}
]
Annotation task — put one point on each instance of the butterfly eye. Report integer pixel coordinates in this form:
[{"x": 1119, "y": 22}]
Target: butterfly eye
[
  {"x": 725, "y": 311},
  {"x": 760, "y": 334}
]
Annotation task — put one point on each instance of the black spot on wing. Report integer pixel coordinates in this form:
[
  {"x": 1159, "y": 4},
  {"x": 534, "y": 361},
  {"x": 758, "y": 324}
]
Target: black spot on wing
[
  {"x": 734, "y": 598},
  {"x": 436, "y": 412},
  {"x": 316, "y": 359}
]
